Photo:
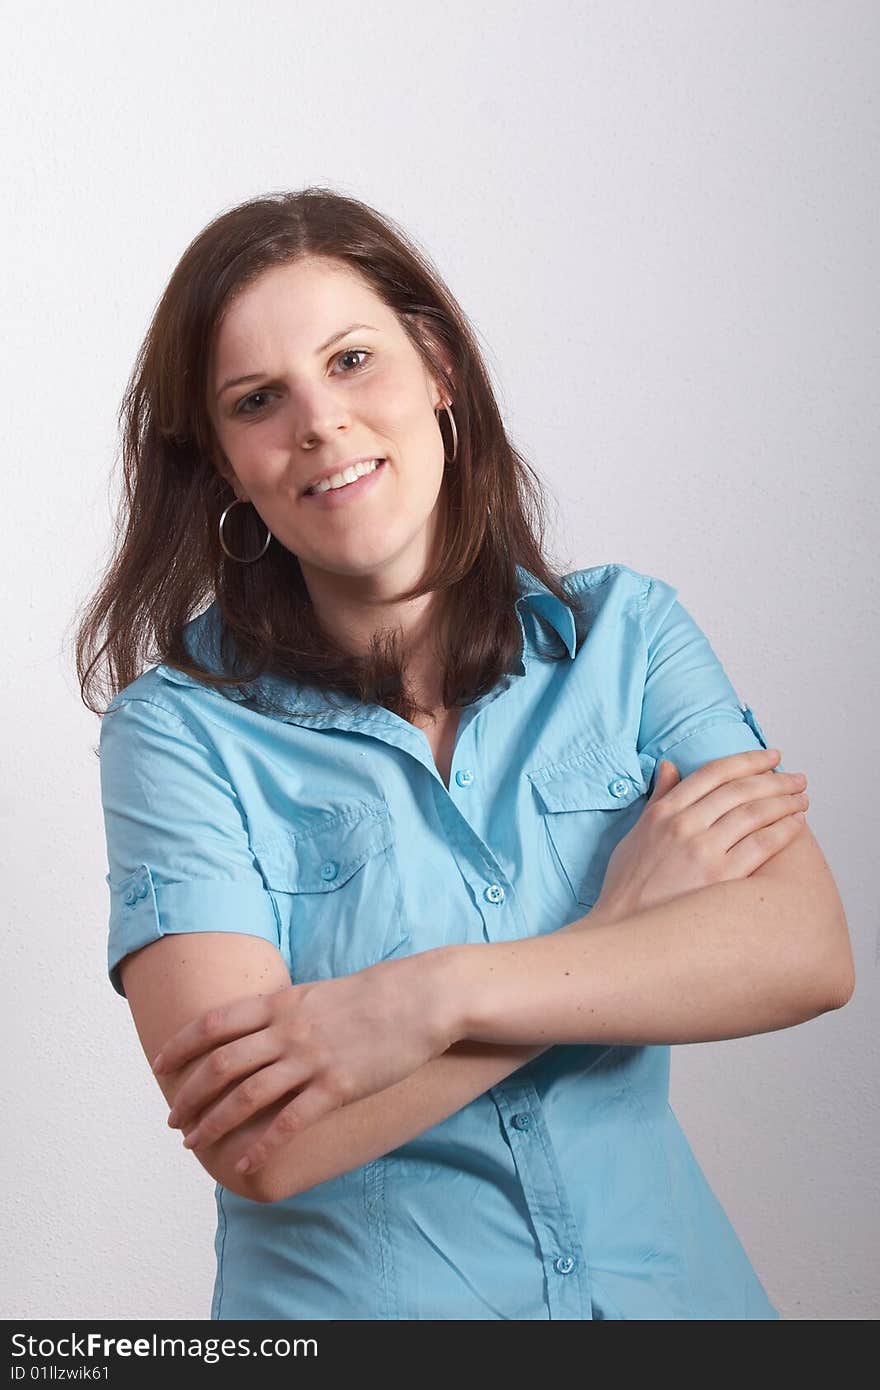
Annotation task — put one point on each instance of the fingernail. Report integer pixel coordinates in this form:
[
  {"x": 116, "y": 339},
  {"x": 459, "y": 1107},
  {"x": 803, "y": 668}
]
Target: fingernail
[
  {"x": 173, "y": 1119},
  {"x": 242, "y": 1165},
  {"x": 157, "y": 1061},
  {"x": 191, "y": 1139}
]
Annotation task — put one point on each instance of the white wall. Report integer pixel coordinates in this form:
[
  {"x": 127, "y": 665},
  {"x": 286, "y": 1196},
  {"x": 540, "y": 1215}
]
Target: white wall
[{"x": 662, "y": 219}]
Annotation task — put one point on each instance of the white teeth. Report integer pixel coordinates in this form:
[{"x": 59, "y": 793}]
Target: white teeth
[{"x": 349, "y": 475}]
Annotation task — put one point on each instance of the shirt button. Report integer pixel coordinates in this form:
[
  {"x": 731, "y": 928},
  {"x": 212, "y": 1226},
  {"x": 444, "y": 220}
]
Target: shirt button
[
  {"x": 330, "y": 869},
  {"x": 130, "y": 897},
  {"x": 565, "y": 1264},
  {"x": 749, "y": 717},
  {"x": 494, "y": 893},
  {"x": 523, "y": 1120},
  {"x": 619, "y": 787},
  {"x": 143, "y": 890},
  {"x": 465, "y": 777}
]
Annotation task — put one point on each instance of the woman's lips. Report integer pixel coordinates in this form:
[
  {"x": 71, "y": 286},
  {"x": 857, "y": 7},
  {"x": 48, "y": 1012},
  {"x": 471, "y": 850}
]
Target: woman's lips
[{"x": 341, "y": 496}]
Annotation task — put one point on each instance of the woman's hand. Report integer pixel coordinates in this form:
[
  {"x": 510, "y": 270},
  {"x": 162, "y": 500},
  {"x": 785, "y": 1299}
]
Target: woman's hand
[
  {"x": 330, "y": 1042},
  {"x": 722, "y": 822}
]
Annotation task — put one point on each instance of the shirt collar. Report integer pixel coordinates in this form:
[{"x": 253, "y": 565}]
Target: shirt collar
[
  {"x": 535, "y": 596},
  {"x": 202, "y": 639}
]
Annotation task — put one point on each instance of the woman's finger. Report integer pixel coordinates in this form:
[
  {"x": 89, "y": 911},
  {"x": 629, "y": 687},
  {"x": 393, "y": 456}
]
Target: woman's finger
[
  {"x": 746, "y": 791},
  {"x": 247, "y": 1099},
  {"x": 714, "y": 774},
  {"x": 762, "y": 844},
  {"x": 217, "y": 1025},
  {"x": 227, "y": 1063},
  {"x": 735, "y": 810},
  {"x": 311, "y": 1104},
  {"x": 748, "y": 795},
  {"x": 752, "y": 816}
]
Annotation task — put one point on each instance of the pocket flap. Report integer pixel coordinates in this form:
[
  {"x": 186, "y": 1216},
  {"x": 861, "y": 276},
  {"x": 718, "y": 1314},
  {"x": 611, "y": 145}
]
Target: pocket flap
[
  {"x": 326, "y": 849},
  {"x": 603, "y": 778}
]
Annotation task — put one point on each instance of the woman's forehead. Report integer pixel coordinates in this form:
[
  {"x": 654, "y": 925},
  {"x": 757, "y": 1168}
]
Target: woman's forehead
[{"x": 297, "y": 309}]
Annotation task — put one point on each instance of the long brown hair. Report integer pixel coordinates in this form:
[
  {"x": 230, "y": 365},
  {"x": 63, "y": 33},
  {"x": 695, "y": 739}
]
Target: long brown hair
[{"x": 168, "y": 560}]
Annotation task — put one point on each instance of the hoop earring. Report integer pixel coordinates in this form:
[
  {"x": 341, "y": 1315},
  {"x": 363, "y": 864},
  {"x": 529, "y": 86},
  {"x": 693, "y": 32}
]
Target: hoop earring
[
  {"x": 226, "y": 549},
  {"x": 454, "y": 433}
]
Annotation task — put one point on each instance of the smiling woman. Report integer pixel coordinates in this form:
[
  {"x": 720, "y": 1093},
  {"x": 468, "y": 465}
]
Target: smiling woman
[
  {"x": 367, "y": 816},
  {"x": 353, "y": 348},
  {"x": 303, "y": 449}
]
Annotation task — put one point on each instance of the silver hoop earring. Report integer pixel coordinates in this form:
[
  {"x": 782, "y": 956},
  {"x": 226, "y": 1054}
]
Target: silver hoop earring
[
  {"x": 454, "y": 433},
  {"x": 226, "y": 549}
]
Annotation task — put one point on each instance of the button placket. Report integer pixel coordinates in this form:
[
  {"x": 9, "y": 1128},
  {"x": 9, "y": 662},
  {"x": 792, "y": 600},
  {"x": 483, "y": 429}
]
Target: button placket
[
  {"x": 544, "y": 1191},
  {"x": 480, "y": 870}
]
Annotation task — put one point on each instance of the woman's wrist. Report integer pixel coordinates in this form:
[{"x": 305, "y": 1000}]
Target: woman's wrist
[
  {"x": 459, "y": 988},
  {"x": 448, "y": 990},
  {"x": 456, "y": 983}
]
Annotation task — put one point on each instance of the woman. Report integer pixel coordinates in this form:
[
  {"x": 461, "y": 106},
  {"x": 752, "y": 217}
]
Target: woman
[{"x": 420, "y": 856}]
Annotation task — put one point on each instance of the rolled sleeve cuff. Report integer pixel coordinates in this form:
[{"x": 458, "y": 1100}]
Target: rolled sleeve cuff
[
  {"x": 717, "y": 739},
  {"x": 142, "y": 911}
]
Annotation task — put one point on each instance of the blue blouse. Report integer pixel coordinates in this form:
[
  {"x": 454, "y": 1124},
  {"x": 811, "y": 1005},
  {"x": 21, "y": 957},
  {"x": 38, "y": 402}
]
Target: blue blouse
[{"x": 569, "y": 1189}]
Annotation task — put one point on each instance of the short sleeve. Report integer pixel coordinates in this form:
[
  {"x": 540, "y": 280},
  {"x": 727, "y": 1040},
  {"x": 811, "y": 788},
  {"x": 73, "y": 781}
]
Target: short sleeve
[
  {"x": 691, "y": 712},
  {"x": 177, "y": 845}
]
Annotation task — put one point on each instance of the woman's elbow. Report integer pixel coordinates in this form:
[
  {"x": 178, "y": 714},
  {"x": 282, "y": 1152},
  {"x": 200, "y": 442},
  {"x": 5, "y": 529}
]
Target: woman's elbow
[
  {"x": 834, "y": 974},
  {"x": 845, "y": 983}
]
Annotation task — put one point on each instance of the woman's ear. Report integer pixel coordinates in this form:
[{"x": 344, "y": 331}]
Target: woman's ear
[
  {"x": 227, "y": 472},
  {"x": 439, "y": 351}
]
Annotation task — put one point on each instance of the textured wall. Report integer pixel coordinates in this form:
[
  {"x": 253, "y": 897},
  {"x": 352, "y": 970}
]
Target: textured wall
[{"x": 662, "y": 221}]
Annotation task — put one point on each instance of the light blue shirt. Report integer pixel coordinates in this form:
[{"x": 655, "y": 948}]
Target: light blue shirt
[{"x": 569, "y": 1189}]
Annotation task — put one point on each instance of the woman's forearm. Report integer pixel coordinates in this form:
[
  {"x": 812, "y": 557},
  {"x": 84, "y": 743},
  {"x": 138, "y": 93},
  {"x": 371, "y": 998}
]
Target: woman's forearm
[
  {"x": 367, "y": 1128},
  {"x": 357, "y": 1133},
  {"x": 724, "y": 961}
]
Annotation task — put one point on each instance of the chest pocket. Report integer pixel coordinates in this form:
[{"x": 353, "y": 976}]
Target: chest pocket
[
  {"x": 588, "y": 804},
  {"x": 336, "y": 883}
]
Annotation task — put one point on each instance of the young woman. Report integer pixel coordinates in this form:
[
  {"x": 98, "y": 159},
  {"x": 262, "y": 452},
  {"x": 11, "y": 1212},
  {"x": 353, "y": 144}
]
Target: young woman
[{"x": 421, "y": 856}]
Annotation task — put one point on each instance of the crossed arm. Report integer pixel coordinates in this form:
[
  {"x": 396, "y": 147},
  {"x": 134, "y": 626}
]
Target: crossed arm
[
  {"x": 728, "y": 960},
  {"x": 177, "y": 978}
]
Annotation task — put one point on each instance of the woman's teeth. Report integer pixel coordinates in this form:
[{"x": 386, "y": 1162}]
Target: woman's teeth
[{"x": 349, "y": 475}]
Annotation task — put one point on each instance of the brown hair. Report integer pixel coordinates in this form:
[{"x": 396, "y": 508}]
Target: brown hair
[{"x": 168, "y": 559}]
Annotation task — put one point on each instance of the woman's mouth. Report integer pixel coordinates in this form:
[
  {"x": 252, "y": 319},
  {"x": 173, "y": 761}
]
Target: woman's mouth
[{"x": 348, "y": 492}]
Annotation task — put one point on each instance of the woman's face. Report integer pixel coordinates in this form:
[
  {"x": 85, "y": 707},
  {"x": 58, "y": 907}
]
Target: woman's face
[{"x": 314, "y": 404}]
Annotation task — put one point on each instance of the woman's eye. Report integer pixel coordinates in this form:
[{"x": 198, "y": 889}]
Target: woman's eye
[
  {"x": 242, "y": 407},
  {"x": 240, "y": 410},
  {"x": 355, "y": 352}
]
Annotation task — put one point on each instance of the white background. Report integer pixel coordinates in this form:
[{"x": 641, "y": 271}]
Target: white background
[{"x": 662, "y": 220}]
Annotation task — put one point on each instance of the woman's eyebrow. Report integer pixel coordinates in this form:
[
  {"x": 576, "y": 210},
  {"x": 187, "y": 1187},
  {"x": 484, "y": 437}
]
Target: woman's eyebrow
[{"x": 255, "y": 376}]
